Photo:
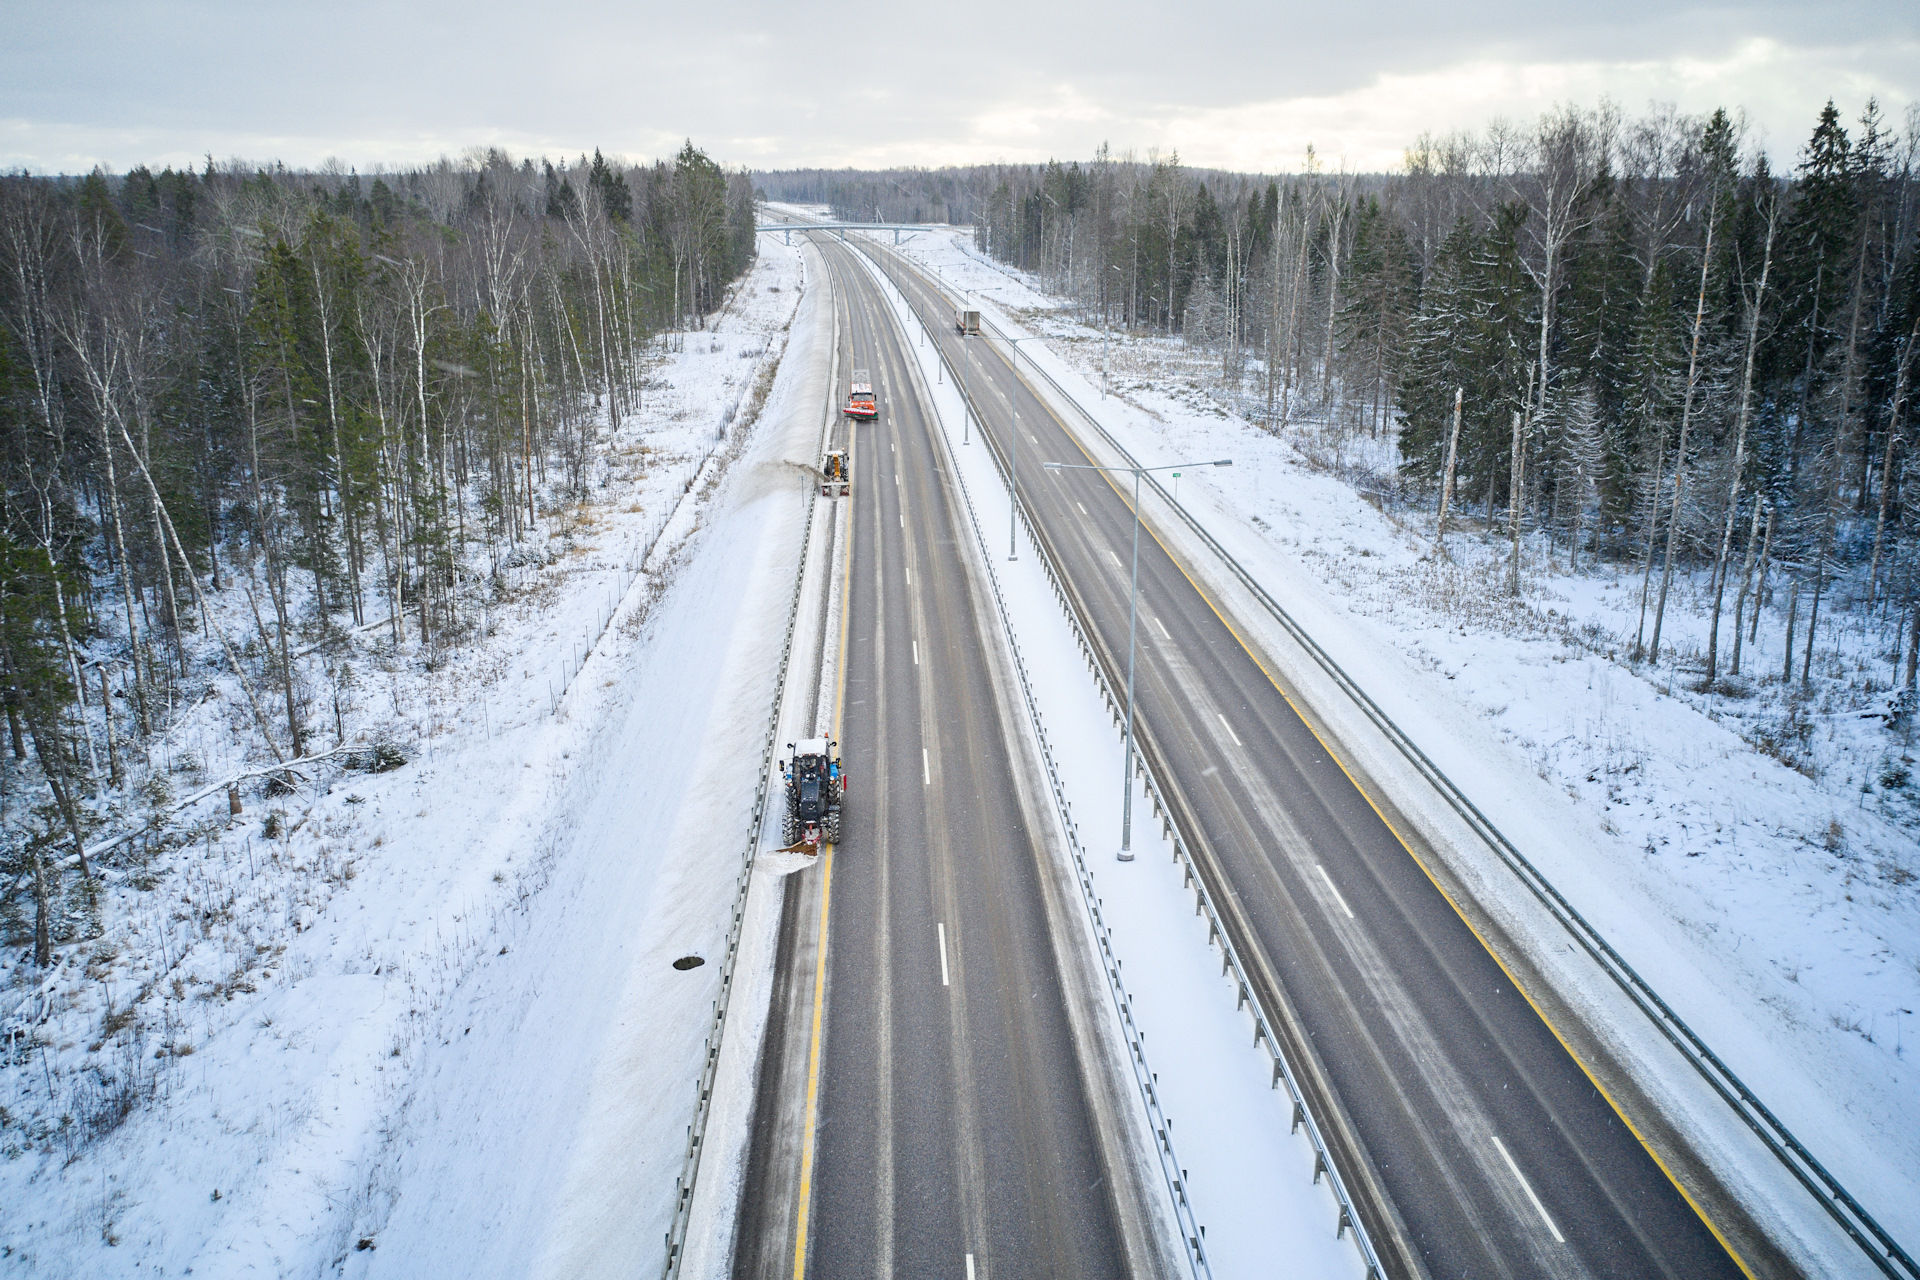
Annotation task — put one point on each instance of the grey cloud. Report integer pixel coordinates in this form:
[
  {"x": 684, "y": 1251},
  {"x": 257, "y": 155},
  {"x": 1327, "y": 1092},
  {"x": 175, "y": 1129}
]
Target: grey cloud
[{"x": 777, "y": 79}]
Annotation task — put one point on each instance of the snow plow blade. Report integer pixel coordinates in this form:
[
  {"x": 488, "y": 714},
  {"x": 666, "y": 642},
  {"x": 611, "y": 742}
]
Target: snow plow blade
[{"x": 808, "y": 844}]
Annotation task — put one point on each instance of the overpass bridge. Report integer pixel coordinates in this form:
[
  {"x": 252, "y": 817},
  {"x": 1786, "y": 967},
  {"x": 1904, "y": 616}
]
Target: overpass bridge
[{"x": 788, "y": 228}]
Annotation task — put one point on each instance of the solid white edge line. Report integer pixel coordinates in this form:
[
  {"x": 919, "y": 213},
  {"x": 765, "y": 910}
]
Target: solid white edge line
[
  {"x": 943, "y": 955},
  {"x": 1528, "y": 1188},
  {"x": 1344, "y": 907},
  {"x": 1229, "y": 729},
  {"x": 926, "y": 770}
]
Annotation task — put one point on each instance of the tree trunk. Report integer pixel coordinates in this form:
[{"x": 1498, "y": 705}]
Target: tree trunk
[
  {"x": 343, "y": 484},
  {"x": 276, "y": 579},
  {"x": 1913, "y": 644},
  {"x": 1293, "y": 317},
  {"x": 1813, "y": 614},
  {"x": 115, "y": 515},
  {"x": 1893, "y": 442},
  {"x": 53, "y": 768},
  {"x": 1680, "y": 454},
  {"x": 1746, "y": 580},
  {"x": 42, "y": 910},
  {"x": 106, "y": 714},
  {"x": 1653, "y": 536},
  {"x": 1793, "y": 620},
  {"x": 1446, "y": 483},
  {"x": 1739, "y": 465},
  {"x": 1760, "y": 585},
  {"x": 1334, "y": 220},
  {"x": 1516, "y": 473},
  {"x": 233, "y": 659},
  {"x": 173, "y": 603}
]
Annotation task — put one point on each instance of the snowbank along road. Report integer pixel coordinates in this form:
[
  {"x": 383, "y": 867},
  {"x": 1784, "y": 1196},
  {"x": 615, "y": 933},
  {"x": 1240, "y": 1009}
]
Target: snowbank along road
[
  {"x": 1480, "y": 1144},
  {"x": 941, "y": 1109}
]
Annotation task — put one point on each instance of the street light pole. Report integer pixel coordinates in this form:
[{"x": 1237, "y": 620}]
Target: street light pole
[
  {"x": 1133, "y": 623},
  {"x": 1013, "y": 453},
  {"x": 966, "y": 389}
]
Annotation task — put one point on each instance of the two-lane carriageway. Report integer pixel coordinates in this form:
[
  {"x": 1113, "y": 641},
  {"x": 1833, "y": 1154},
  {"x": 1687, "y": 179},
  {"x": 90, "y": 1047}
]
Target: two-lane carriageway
[
  {"x": 1481, "y": 1145},
  {"x": 960, "y": 1125}
]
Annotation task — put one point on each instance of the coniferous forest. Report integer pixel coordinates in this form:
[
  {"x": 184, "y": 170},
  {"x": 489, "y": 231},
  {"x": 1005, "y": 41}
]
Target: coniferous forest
[
  {"x": 1630, "y": 337},
  {"x": 335, "y": 397}
]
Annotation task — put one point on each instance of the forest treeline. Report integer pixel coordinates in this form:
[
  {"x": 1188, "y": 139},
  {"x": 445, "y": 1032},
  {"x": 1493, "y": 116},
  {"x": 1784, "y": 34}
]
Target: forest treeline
[
  {"x": 1629, "y": 335},
  {"x": 334, "y": 398}
]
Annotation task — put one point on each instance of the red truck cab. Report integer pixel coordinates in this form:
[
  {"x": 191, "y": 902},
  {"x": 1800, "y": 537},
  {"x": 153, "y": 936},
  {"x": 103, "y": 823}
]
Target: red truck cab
[{"x": 860, "y": 402}]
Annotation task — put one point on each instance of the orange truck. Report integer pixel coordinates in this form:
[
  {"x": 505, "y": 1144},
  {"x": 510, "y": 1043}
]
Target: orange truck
[{"x": 860, "y": 402}]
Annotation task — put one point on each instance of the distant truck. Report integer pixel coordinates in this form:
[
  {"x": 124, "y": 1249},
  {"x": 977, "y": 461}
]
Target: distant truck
[
  {"x": 860, "y": 402},
  {"x": 966, "y": 320}
]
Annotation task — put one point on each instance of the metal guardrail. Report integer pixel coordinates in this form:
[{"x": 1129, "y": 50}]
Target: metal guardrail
[
  {"x": 1191, "y": 1233},
  {"x": 676, "y": 1236},
  {"x": 1880, "y": 1247}
]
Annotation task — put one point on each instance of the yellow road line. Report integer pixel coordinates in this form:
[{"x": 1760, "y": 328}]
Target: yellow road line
[
  {"x": 826, "y": 903},
  {"x": 813, "y": 1069},
  {"x": 1417, "y": 859}
]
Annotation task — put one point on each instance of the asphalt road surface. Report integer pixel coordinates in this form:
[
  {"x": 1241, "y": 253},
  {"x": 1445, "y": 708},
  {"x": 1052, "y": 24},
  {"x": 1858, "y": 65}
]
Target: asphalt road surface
[
  {"x": 963, "y": 1128},
  {"x": 1494, "y": 1150}
]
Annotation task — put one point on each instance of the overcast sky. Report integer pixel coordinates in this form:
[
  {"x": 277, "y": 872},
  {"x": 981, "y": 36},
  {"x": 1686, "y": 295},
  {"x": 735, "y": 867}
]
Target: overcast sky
[{"x": 1240, "y": 84}]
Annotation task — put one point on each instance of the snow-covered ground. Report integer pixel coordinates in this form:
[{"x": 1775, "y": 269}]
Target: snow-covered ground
[
  {"x": 423, "y": 1021},
  {"x": 1767, "y": 893}
]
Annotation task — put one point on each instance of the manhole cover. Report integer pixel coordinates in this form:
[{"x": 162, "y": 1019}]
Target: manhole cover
[{"x": 688, "y": 962}]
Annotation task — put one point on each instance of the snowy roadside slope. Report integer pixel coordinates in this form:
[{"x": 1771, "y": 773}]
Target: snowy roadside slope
[
  {"x": 304, "y": 992},
  {"x": 546, "y": 1142},
  {"x": 1709, "y": 864}
]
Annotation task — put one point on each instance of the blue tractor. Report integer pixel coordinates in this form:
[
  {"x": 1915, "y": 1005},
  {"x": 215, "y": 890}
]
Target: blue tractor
[{"x": 815, "y": 787}]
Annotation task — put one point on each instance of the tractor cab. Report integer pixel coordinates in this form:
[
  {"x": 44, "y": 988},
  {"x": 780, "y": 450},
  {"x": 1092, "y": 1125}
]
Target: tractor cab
[
  {"x": 834, "y": 482},
  {"x": 815, "y": 786}
]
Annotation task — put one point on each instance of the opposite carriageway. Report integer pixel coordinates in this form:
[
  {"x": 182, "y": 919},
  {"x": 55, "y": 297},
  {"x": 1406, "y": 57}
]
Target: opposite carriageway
[{"x": 1475, "y": 1140}]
